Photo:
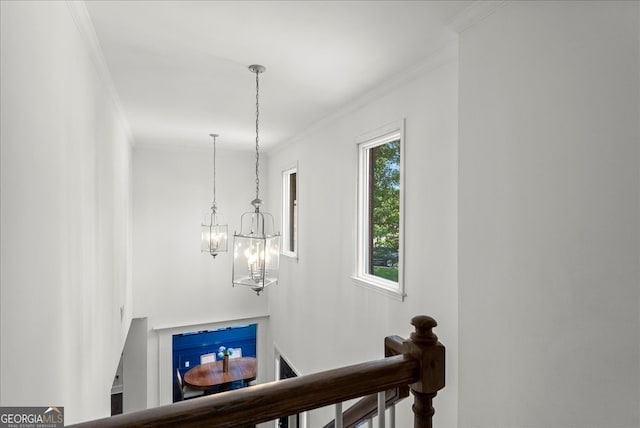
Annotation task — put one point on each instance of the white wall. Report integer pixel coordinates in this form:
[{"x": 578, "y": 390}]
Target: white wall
[
  {"x": 176, "y": 285},
  {"x": 549, "y": 218},
  {"x": 319, "y": 318},
  {"x": 134, "y": 367},
  {"x": 65, "y": 216}
]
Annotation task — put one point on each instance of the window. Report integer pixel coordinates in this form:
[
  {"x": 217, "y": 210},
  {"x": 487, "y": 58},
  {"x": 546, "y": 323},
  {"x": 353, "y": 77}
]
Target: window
[
  {"x": 380, "y": 213},
  {"x": 290, "y": 212}
]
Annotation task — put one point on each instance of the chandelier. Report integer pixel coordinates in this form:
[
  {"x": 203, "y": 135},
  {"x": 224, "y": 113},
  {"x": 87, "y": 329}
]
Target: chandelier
[
  {"x": 256, "y": 248},
  {"x": 213, "y": 237}
]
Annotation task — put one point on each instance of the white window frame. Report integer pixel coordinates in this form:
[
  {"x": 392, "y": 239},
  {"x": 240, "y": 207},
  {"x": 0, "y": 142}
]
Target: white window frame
[
  {"x": 382, "y": 135},
  {"x": 287, "y": 222}
]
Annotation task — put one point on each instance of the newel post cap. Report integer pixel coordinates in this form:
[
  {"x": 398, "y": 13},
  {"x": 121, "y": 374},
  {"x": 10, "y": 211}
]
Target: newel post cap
[
  {"x": 423, "y": 345},
  {"x": 424, "y": 333}
]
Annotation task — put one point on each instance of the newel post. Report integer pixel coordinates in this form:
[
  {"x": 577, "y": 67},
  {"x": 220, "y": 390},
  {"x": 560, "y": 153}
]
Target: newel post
[{"x": 423, "y": 346}]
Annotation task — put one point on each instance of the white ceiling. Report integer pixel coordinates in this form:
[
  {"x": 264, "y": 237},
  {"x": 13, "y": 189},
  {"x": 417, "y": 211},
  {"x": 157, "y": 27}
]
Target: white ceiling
[{"x": 180, "y": 67}]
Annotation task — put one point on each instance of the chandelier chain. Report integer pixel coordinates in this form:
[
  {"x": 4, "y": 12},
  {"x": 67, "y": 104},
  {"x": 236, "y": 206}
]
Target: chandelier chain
[
  {"x": 214, "y": 172},
  {"x": 257, "y": 139}
]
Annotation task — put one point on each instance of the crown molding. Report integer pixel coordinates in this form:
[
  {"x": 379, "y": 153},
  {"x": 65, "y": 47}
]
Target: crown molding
[
  {"x": 468, "y": 17},
  {"x": 187, "y": 147},
  {"x": 83, "y": 22},
  {"x": 442, "y": 56},
  {"x": 474, "y": 13}
]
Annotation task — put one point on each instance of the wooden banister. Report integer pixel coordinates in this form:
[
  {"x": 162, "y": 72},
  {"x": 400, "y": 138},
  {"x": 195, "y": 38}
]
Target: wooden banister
[{"x": 269, "y": 401}]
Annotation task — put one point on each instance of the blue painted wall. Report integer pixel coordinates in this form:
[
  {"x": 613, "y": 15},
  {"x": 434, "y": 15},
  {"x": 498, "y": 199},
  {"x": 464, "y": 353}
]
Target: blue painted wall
[{"x": 187, "y": 347}]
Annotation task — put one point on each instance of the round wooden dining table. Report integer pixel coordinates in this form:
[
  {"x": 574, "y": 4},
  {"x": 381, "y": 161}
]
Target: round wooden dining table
[{"x": 210, "y": 375}]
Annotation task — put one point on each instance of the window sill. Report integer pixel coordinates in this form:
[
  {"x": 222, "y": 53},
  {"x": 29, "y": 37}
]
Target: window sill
[
  {"x": 379, "y": 287},
  {"x": 290, "y": 255}
]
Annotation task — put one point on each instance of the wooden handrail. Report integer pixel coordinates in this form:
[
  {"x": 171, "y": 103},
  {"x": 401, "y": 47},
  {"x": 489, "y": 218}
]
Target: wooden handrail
[
  {"x": 268, "y": 401},
  {"x": 421, "y": 366}
]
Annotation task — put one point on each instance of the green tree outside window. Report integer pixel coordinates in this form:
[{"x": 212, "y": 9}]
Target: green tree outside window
[{"x": 384, "y": 210}]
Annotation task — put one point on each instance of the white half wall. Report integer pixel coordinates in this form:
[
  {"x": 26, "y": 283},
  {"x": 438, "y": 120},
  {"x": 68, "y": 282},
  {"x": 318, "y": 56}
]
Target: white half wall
[
  {"x": 320, "y": 318},
  {"x": 549, "y": 216},
  {"x": 134, "y": 367},
  {"x": 65, "y": 264}
]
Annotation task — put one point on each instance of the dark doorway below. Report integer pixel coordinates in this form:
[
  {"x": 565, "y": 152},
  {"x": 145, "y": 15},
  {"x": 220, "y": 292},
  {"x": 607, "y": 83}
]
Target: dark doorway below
[{"x": 286, "y": 372}]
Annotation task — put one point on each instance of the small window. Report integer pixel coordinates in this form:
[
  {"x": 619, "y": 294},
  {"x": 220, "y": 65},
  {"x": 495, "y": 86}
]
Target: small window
[
  {"x": 380, "y": 213},
  {"x": 290, "y": 212}
]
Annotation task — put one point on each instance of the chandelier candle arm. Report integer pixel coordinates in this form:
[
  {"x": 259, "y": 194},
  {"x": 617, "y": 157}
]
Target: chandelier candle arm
[{"x": 256, "y": 253}]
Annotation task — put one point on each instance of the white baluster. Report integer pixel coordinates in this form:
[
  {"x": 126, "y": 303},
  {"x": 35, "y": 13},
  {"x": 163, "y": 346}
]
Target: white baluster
[
  {"x": 370, "y": 424},
  {"x": 338, "y": 423},
  {"x": 392, "y": 416},
  {"x": 381, "y": 406},
  {"x": 293, "y": 421}
]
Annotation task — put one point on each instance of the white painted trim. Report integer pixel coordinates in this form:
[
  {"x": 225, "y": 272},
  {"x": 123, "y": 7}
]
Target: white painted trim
[
  {"x": 284, "y": 206},
  {"x": 373, "y": 285},
  {"x": 199, "y": 325},
  {"x": 439, "y": 58},
  {"x": 474, "y": 13},
  {"x": 277, "y": 354},
  {"x": 359, "y": 277},
  {"x": 83, "y": 22}
]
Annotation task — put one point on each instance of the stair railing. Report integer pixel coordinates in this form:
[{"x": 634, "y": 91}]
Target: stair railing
[
  {"x": 368, "y": 407},
  {"x": 421, "y": 366}
]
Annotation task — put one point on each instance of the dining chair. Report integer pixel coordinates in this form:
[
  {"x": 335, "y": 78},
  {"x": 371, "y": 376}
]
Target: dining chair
[
  {"x": 235, "y": 353},
  {"x": 187, "y": 392},
  {"x": 207, "y": 358}
]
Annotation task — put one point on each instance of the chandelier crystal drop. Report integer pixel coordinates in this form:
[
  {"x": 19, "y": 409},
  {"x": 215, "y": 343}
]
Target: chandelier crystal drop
[
  {"x": 256, "y": 248},
  {"x": 214, "y": 236}
]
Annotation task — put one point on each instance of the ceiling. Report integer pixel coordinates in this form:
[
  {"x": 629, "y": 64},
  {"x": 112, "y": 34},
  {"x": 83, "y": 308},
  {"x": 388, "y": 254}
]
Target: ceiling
[{"x": 180, "y": 68}]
